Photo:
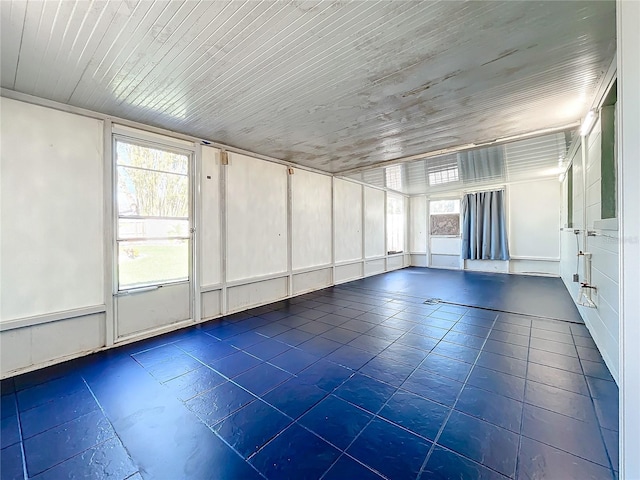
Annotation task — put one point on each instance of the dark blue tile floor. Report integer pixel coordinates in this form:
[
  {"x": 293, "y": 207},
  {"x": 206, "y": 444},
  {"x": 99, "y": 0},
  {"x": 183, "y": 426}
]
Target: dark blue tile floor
[{"x": 343, "y": 383}]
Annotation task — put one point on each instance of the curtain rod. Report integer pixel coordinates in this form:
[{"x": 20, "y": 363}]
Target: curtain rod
[{"x": 468, "y": 192}]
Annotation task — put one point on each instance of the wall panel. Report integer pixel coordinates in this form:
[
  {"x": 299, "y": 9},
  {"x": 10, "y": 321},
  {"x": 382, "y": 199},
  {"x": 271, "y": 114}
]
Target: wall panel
[
  {"x": 348, "y": 220},
  {"x": 344, "y": 273},
  {"x": 418, "y": 224},
  {"x": 256, "y": 218},
  {"x": 23, "y": 348},
  {"x": 210, "y": 233},
  {"x": 373, "y": 267},
  {"x": 241, "y": 297},
  {"x": 52, "y": 203},
  {"x": 147, "y": 310},
  {"x": 374, "y": 222},
  {"x": 396, "y": 262},
  {"x": 534, "y": 219},
  {"x": 309, "y": 281},
  {"x": 211, "y": 304},
  {"x": 445, "y": 261},
  {"x": 535, "y": 267},
  {"x": 310, "y": 219},
  {"x": 498, "y": 266}
]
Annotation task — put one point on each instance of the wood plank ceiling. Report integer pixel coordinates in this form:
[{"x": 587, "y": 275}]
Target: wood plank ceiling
[{"x": 335, "y": 85}]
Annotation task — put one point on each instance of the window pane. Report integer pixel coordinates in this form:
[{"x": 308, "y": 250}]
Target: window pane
[
  {"x": 141, "y": 192},
  {"x": 395, "y": 223},
  {"x": 443, "y": 176},
  {"x": 447, "y": 224},
  {"x": 132, "y": 228},
  {"x": 152, "y": 262},
  {"x": 151, "y": 158},
  {"x": 437, "y": 207}
]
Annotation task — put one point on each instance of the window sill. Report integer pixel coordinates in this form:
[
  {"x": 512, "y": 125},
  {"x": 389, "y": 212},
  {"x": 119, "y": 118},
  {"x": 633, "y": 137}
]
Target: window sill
[{"x": 606, "y": 224}]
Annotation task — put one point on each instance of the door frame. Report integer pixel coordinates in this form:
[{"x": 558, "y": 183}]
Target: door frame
[{"x": 192, "y": 151}]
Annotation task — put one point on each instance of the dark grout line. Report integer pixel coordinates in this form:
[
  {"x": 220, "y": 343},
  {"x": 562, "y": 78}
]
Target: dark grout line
[
  {"x": 477, "y": 307},
  {"x": 526, "y": 379},
  {"x": 593, "y": 406},
  {"x": 446, "y": 420}
]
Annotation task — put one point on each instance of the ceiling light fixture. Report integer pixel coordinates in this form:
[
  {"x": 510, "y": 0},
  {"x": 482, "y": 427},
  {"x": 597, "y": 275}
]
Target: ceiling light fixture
[{"x": 587, "y": 123}]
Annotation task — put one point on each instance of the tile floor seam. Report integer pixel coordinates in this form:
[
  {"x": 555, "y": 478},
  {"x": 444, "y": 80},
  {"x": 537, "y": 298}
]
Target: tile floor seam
[
  {"x": 104, "y": 413},
  {"x": 593, "y": 406},
  {"x": 526, "y": 379},
  {"x": 446, "y": 420},
  {"x": 188, "y": 410},
  {"x": 375, "y": 415},
  {"x": 81, "y": 452},
  {"x": 22, "y": 450},
  {"x": 295, "y": 420},
  {"x": 233, "y": 449},
  {"x": 259, "y": 398},
  {"x": 498, "y": 311},
  {"x": 567, "y": 452}
]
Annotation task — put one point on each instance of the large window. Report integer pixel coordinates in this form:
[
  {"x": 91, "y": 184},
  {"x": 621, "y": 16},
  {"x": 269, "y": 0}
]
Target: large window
[
  {"x": 395, "y": 223},
  {"x": 153, "y": 229}
]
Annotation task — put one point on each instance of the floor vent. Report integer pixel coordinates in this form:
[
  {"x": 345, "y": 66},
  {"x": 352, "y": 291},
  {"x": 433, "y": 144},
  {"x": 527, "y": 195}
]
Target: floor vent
[{"x": 433, "y": 301}]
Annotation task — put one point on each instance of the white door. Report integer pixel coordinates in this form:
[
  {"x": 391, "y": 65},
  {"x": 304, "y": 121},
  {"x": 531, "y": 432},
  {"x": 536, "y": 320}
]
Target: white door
[{"x": 153, "y": 236}]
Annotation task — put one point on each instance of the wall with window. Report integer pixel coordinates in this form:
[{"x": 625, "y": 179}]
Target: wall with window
[
  {"x": 533, "y": 217},
  {"x": 593, "y": 231},
  {"x": 96, "y": 236}
]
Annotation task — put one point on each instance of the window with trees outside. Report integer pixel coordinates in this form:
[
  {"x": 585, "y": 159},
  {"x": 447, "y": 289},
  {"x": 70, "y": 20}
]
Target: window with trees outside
[
  {"x": 395, "y": 223},
  {"x": 153, "y": 204}
]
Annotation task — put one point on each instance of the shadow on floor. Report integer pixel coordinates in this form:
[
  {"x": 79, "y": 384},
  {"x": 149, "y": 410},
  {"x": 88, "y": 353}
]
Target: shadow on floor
[{"x": 523, "y": 294}]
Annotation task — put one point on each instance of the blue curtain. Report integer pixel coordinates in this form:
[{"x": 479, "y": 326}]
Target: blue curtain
[{"x": 484, "y": 226}]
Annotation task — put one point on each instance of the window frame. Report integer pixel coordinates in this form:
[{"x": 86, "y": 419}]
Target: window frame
[
  {"x": 189, "y": 237},
  {"x": 403, "y": 229},
  {"x": 459, "y": 213}
]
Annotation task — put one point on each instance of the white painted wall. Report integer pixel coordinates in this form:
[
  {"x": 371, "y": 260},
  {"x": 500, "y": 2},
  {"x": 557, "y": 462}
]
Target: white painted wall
[
  {"x": 534, "y": 220},
  {"x": 533, "y": 212},
  {"x": 256, "y": 218},
  {"x": 261, "y": 235},
  {"x": 533, "y": 215},
  {"x": 311, "y": 219},
  {"x": 628, "y": 121},
  {"x": 209, "y": 223},
  {"x": 374, "y": 220},
  {"x": 347, "y": 198},
  {"x": 52, "y": 211},
  {"x": 602, "y": 321},
  {"x": 418, "y": 237}
]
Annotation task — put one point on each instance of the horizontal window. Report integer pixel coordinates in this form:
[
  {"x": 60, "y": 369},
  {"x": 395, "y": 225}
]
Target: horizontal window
[
  {"x": 151, "y": 262},
  {"x": 152, "y": 228},
  {"x": 437, "y": 207},
  {"x": 151, "y": 158},
  {"x": 152, "y": 194}
]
